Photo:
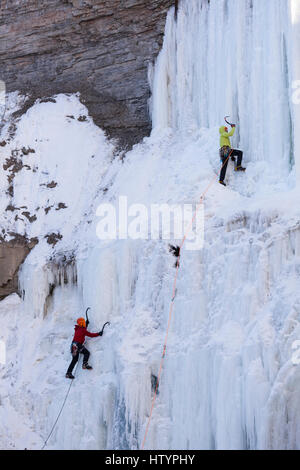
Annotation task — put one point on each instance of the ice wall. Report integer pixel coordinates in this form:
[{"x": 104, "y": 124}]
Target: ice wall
[
  {"x": 231, "y": 58},
  {"x": 229, "y": 380},
  {"x": 295, "y": 19}
]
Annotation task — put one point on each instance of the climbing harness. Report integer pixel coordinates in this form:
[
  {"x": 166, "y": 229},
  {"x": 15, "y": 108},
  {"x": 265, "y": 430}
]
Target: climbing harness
[
  {"x": 74, "y": 348},
  {"x": 177, "y": 253}
]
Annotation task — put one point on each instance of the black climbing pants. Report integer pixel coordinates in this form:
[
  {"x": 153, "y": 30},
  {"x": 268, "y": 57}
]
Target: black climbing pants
[
  {"x": 224, "y": 153},
  {"x": 81, "y": 350}
]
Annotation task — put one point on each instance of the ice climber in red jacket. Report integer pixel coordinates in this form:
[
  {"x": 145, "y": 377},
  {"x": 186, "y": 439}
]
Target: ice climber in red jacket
[{"x": 77, "y": 346}]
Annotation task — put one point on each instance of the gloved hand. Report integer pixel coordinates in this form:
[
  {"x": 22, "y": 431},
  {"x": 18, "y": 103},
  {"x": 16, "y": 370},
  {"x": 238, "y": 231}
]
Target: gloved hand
[
  {"x": 232, "y": 125},
  {"x": 100, "y": 333}
]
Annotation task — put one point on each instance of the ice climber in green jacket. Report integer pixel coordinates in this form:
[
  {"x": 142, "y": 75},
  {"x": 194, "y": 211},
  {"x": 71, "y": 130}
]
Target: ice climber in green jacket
[{"x": 226, "y": 151}]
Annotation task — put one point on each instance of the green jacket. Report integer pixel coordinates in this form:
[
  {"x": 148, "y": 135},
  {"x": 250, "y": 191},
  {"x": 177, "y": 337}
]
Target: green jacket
[{"x": 224, "y": 136}]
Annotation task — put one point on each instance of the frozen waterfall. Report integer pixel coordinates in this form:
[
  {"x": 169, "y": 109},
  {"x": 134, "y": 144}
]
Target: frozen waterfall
[
  {"x": 231, "y": 57},
  {"x": 231, "y": 377}
]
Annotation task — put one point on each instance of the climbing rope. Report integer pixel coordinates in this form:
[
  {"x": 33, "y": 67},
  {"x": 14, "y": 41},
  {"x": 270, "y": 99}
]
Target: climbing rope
[
  {"x": 174, "y": 291},
  {"x": 61, "y": 409}
]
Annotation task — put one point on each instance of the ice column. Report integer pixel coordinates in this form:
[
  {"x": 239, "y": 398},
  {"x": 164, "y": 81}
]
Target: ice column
[
  {"x": 295, "y": 19},
  {"x": 231, "y": 58}
]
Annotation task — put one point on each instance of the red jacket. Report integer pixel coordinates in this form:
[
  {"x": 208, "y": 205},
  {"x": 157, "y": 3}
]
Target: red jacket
[{"x": 81, "y": 333}]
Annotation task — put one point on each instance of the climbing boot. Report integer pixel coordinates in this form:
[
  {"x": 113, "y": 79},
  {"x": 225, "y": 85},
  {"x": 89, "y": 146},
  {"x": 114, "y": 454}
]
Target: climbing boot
[
  {"x": 222, "y": 182},
  {"x": 86, "y": 366},
  {"x": 69, "y": 376},
  {"x": 240, "y": 168}
]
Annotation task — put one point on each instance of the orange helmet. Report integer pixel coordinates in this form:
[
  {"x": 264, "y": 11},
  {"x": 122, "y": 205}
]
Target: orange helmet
[{"x": 81, "y": 322}]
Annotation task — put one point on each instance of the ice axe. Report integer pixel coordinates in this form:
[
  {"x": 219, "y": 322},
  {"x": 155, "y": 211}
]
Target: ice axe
[
  {"x": 107, "y": 323},
  {"x": 227, "y": 122},
  {"x": 86, "y": 316},
  {"x": 87, "y": 320}
]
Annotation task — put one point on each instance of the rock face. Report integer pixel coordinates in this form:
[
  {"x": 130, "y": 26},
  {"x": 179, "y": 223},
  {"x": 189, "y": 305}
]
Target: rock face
[
  {"x": 100, "y": 48},
  {"x": 12, "y": 255}
]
